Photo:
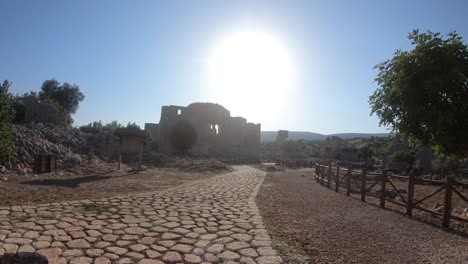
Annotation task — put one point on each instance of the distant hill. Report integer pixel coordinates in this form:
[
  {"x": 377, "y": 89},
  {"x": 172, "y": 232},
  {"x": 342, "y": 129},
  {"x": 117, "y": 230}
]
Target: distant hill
[
  {"x": 360, "y": 135},
  {"x": 269, "y": 136}
]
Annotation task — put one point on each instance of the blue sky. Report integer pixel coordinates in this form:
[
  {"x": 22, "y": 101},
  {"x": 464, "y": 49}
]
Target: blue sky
[{"x": 131, "y": 57}]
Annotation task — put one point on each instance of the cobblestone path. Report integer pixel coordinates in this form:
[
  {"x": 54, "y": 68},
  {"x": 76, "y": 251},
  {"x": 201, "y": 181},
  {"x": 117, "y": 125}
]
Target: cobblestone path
[{"x": 207, "y": 221}]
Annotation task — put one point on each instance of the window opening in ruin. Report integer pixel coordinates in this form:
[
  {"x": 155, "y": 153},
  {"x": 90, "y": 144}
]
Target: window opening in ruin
[
  {"x": 179, "y": 111},
  {"x": 214, "y": 129}
]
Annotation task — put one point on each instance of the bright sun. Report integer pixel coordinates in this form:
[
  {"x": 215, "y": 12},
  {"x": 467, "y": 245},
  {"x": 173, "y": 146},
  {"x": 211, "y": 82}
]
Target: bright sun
[{"x": 251, "y": 74}]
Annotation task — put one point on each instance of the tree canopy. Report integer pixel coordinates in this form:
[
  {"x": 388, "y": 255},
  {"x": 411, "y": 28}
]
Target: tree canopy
[
  {"x": 67, "y": 95},
  {"x": 423, "y": 93}
]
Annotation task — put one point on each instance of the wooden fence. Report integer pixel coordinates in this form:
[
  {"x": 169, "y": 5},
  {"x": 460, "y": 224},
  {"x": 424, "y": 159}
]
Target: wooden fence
[{"x": 362, "y": 182}]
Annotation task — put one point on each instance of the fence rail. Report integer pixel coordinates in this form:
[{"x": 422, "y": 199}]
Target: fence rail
[{"x": 361, "y": 182}]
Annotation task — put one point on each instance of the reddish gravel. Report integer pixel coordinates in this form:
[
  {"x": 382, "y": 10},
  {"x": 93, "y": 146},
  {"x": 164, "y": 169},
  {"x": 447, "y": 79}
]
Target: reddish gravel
[{"x": 327, "y": 227}]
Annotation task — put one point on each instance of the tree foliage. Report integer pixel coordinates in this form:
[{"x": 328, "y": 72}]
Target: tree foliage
[
  {"x": 133, "y": 125},
  {"x": 423, "y": 93},
  {"x": 68, "y": 96},
  {"x": 30, "y": 108},
  {"x": 183, "y": 136},
  {"x": 7, "y": 115},
  {"x": 99, "y": 127}
]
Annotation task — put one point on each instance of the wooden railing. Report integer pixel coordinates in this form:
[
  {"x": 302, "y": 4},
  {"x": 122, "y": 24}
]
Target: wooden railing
[{"x": 362, "y": 182}]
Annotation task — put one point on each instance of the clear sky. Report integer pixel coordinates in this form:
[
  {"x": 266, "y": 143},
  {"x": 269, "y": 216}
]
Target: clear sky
[{"x": 132, "y": 57}]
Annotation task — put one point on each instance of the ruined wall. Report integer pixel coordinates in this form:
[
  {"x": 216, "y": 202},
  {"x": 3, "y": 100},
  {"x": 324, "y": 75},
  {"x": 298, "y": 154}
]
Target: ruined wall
[
  {"x": 282, "y": 135},
  {"x": 218, "y": 134},
  {"x": 152, "y": 131}
]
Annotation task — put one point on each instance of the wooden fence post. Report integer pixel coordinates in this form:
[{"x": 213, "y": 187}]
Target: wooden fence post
[
  {"x": 447, "y": 202},
  {"x": 363, "y": 184},
  {"x": 329, "y": 175},
  {"x": 337, "y": 178},
  {"x": 383, "y": 190},
  {"x": 409, "y": 203},
  {"x": 317, "y": 173},
  {"x": 322, "y": 174},
  {"x": 348, "y": 180}
]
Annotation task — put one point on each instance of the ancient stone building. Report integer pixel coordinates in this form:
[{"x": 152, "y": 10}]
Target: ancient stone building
[
  {"x": 218, "y": 134},
  {"x": 282, "y": 135},
  {"x": 335, "y": 148}
]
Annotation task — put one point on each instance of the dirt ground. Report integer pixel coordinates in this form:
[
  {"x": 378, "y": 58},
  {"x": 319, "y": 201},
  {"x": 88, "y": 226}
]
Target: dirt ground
[
  {"x": 93, "y": 182},
  {"x": 312, "y": 224}
]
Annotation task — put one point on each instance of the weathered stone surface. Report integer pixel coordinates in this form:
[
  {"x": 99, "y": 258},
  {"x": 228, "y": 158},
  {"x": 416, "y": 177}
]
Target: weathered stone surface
[
  {"x": 18, "y": 241},
  {"x": 150, "y": 261},
  {"x": 237, "y": 245},
  {"x": 41, "y": 244},
  {"x": 269, "y": 260},
  {"x": 191, "y": 258},
  {"x": 228, "y": 255},
  {"x": 138, "y": 247},
  {"x": 102, "y": 260},
  {"x": 182, "y": 248},
  {"x": 248, "y": 252},
  {"x": 116, "y": 250},
  {"x": 94, "y": 252},
  {"x": 135, "y": 230},
  {"x": 172, "y": 256},
  {"x": 78, "y": 243},
  {"x": 152, "y": 254},
  {"x": 26, "y": 249},
  {"x": 10, "y": 248},
  {"x": 72, "y": 253},
  {"x": 215, "y": 248},
  {"x": 50, "y": 253}
]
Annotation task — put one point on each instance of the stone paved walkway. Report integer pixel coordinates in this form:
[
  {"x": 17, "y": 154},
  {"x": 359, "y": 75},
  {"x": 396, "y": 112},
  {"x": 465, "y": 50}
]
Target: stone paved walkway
[{"x": 208, "y": 221}]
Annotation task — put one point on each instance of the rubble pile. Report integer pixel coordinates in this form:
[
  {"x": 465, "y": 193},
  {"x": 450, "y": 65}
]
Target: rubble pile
[{"x": 33, "y": 139}]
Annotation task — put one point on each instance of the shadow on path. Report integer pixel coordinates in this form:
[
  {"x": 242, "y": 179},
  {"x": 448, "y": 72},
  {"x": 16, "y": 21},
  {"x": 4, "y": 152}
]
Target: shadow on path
[
  {"x": 23, "y": 258},
  {"x": 75, "y": 182}
]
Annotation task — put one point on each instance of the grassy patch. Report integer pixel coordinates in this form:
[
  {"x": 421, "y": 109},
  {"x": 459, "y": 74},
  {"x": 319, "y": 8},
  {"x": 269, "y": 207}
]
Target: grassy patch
[
  {"x": 285, "y": 251},
  {"x": 92, "y": 207}
]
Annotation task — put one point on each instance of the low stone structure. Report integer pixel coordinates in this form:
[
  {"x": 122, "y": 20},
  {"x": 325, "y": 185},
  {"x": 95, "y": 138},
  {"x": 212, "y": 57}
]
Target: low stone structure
[
  {"x": 282, "y": 135},
  {"x": 335, "y": 148},
  {"x": 131, "y": 144},
  {"x": 218, "y": 134}
]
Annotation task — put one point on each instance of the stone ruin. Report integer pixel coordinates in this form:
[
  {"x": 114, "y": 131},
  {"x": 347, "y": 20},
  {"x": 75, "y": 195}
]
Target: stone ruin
[
  {"x": 218, "y": 134},
  {"x": 282, "y": 135}
]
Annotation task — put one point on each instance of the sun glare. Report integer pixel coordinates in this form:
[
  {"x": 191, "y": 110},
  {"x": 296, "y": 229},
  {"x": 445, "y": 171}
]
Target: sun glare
[{"x": 251, "y": 74}]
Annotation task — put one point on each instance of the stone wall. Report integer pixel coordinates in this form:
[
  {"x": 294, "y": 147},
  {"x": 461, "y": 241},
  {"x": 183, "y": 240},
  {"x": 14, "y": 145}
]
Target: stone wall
[
  {"x": 218, "y": 134},
  {"x": 282, "y": 135}
]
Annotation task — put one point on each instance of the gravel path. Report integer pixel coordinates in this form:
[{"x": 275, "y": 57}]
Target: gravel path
[
  {"x": 214, "y": 220},
  {"x": 329, "y": 227}
]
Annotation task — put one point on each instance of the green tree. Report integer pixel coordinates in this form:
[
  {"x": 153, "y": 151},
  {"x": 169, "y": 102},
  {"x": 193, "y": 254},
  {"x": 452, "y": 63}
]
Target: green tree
[
  {"x": 133, "y": 125},
  {"x": 30, "y": 108},
  {"x": 94, "y": 127},
  {"x": 183, "y": 136},
  {"x": 68, "y": 96},
  {"x": 423, "y": 93},
  {"x": 7, "y": 116}
]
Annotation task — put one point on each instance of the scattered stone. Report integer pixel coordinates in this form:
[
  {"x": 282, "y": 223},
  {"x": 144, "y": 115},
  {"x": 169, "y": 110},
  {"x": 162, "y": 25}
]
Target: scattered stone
[
  {"x": 78, "y": 243},
  {"x": 172, "y": 256}
]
